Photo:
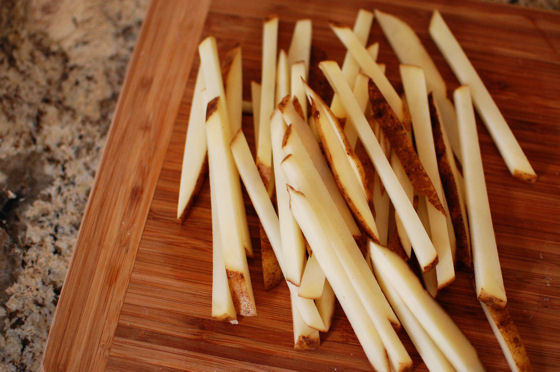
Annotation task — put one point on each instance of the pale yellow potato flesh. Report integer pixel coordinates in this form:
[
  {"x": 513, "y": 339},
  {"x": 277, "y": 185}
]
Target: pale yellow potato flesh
[
  {"x": 313, "y": 280},
  {"x": 487, "y": 271}
]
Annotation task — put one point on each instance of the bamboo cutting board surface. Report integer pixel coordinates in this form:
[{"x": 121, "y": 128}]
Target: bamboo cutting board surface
[{"x": 161, "y": 321}]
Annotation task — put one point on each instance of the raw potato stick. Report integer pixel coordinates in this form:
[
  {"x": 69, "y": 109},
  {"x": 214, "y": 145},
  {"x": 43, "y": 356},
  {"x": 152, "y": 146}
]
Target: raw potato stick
[
  {"x": 345, "y": 292},
  {"x": 452, "y": 183},
  {"x": 226, "y": 183},
  {"x": 305, "y": 337},
  {"x": 194, "y": 156},
  {"x": 300, "y": 45},
  {"x": 293, "y": 245},
  {"x": 487, "y": 272},
  {"x": 429, "y": 277},
  {"x": 347, "y": 168},
  {"x": 304, "y": 131},
  {"x": 508, "y": 337},
  {"x": 401, "y": 143},
  {"x": 409, "y": 190},
  {"x": 325, "y": 304},
  {"x": 233, "y": 76},
  {"x": 423, "y": 247},
  {"x": 210, "y": 63},
  {"x": 269, "y": 220},
  {"x": 222, "y": 303},
  {"x": 256, "y": 100},
  {"x": 435, "y": 321},
  {"x": 297, "y": 86},
  {"x": 268, "y": 80},
  {"x": 501, "y": 133},
  {"x": 282, "y": 77},
  {"x": 410, "y": 51},
  {"x": 350, "y": 67},
  {"x": 417, "y": 101}
]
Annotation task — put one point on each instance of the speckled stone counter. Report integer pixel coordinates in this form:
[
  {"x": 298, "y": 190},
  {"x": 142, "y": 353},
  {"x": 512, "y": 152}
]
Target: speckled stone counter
[{"x": 62, "y": 63}]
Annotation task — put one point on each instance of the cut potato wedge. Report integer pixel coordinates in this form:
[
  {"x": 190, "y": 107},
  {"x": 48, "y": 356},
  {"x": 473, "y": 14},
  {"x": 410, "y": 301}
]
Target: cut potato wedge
[
  {"x": 293, "y": 244},
  {"x": 222, "y": 303},
  {"x": 291, "y": 116},
  {"x": 227, "y": 188},
  {"x": 268, "y": 80},
  {"x": 487, "y": 271},
  {"x": 256, "y": 100},
  {"x": 301, "y": 173},
  {"x": 350, "y": 67},
  {"x": 233, "y": 79},
  {"x": 452, "y": 185},
  {"x": 435, "y": 321},
  {"x": 431, "y": 355},
  {"x": 305, "y": 337},
  {"x": 501, "y": 133},
  {"x": 300, "y": 45},
  {"x": 369, "y": 67},
  {"x": 508, "y": 337},
  {"x": 194, "y": 163},
  {"x": 347, "y": 168},
  {"x": 313, "y": 280},
  {"x": 423, "y": 247},
  {"x": 417, "y": 101},
  {"x": 401, "y": 143},
  {"x": 345, "y": 292},
  {"x": 210, "y": 62}
]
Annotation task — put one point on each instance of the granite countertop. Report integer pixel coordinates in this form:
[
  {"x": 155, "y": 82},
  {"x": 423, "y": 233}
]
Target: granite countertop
[{"x": 62, "y": 63}]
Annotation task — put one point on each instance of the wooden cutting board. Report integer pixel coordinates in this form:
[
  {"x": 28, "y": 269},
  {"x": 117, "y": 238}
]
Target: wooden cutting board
[{"x": 138, "y": 291}]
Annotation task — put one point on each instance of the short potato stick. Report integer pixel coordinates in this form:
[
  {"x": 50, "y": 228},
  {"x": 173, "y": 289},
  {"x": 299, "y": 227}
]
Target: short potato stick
[
  {"x": 501, "y": 133},
  {"x": 417, "y": 99},
  {"x": 435, "y": 321},
  {"x": 423, "y": 247},
  {"x": 487, "y": 271},
  {"x": 313, "y": 280},
  {"x": 194, "y": 156}
]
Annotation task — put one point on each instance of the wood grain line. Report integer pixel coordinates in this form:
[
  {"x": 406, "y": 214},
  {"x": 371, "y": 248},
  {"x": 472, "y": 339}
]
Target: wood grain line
[{"x": 96, "y": 282}]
